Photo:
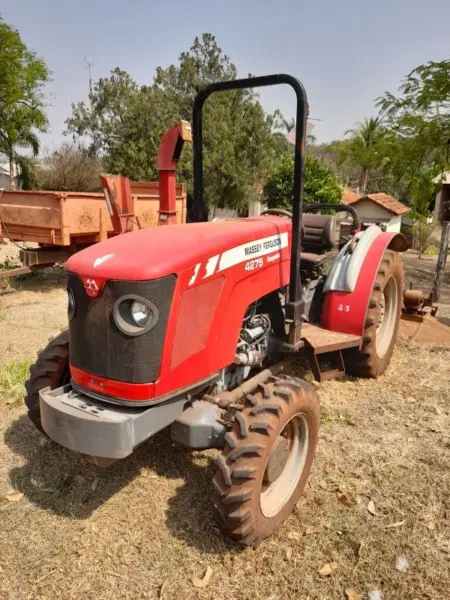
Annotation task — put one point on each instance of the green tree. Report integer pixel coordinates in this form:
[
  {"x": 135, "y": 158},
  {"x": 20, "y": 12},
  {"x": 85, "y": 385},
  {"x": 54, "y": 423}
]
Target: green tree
[
  {"x": 125, "y": 122},
  {"x": 335, "y": 154},
  {"x": 419, "y": 121},
  {"x": 366, "y": 149},
  {"x": 422, "y": 232},
  {"x": 321, "y": 184},
  {"x": 22, "y": 77}
]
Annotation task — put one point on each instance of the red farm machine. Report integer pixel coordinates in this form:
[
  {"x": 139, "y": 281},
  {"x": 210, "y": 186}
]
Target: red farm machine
[{"x": 189, "y": 328}]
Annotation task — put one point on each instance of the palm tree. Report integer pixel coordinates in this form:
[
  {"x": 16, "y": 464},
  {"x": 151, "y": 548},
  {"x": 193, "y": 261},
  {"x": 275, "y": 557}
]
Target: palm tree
[
  {"x": 367, "y": 147},
  {"x": 18, "y": 132}
]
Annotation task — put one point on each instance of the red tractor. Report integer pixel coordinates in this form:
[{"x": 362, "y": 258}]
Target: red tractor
[{"x": 189, "y": 328}]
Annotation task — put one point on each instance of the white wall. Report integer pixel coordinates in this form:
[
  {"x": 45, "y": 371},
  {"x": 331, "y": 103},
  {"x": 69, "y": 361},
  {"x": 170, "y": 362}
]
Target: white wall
[
  {"x": 4, "y": 180},
  {"x": 371, "y": 212},
  {"x": 221, "y": 213},
  {"x": 255, "y": 208},
  {"x": 367, "y": 209}
]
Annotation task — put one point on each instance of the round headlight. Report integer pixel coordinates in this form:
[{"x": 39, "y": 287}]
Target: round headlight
[
  {"x": 71, "y": 303},
  {"x": 135, "y": 315},
  {"x": 141, "y": 313}
]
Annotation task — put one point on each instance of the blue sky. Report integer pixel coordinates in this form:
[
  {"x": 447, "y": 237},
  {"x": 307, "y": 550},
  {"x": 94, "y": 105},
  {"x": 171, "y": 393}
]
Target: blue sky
[{"x": 346, "y": 52}]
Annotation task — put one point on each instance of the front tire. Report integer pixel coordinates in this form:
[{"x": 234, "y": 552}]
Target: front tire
[
  {"x": 50, "y": 369},
  {"x": 382, "y": 320},
  {"x": 266, "y": 461}
]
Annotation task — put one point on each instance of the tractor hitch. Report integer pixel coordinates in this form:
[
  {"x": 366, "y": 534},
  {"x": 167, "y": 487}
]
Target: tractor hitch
[{"x": 418, "y": 321}]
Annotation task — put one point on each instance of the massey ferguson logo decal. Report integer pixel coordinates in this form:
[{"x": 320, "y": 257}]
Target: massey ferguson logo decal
[
  {"x": 92, "y": 286},
  {"x": 246, "y": 253}
]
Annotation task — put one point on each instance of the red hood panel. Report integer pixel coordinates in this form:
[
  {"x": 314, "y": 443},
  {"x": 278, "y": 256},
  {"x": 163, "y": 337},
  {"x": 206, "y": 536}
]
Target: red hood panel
[{"x": 160, "y": 251}]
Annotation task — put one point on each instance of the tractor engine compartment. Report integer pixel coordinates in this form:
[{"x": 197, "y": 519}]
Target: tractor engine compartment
[{"x": 253, "y": 345}]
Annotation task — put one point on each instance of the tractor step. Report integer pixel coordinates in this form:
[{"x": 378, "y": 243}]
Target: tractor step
[
  {"x": 325, "y": 350},
  {"x": 323, "y": 340}
]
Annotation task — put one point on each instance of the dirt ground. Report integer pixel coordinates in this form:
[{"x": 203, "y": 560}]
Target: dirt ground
[{"x": 377, "y": 506}]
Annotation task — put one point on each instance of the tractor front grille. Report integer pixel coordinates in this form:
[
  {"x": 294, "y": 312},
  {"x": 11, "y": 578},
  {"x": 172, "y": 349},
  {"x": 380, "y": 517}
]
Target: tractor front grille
[{"x": 99, "y": 347}]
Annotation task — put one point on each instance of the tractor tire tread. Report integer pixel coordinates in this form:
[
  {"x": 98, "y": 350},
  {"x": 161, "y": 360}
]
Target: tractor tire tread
[
  {"x": 241, "y": 466},
  {"x": 51, "y": 369},
  {"x": 365, "y": 362}
]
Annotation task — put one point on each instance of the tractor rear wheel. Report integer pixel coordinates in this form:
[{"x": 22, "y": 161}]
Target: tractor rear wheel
[
  {"x": 50, "y": 369},
  {"x": 382, "y": 320},
  {"x": 266, "y": 461}
]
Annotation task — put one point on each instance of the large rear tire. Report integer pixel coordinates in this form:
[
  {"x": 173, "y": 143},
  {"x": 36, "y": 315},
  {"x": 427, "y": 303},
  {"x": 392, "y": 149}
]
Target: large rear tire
[
  {"x": 50, "y": 369},
  {"x": 266, "y": 461},
  {"x": 382, "y": 320}
]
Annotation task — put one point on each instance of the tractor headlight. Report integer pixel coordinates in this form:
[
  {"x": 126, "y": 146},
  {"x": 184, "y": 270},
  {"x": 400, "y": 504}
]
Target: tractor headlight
[
  {"x": 71, "y": 303},
  {"x": 135, "y": 315},
  {"x": 141, "y": 313}
]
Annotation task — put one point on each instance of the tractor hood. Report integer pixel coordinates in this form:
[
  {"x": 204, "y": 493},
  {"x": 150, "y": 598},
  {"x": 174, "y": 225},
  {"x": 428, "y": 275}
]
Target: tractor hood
[{"x": 160, "y": 251}]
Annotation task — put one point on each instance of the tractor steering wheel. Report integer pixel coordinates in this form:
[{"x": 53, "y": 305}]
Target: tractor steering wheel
[{"x": 277, "y": 211}]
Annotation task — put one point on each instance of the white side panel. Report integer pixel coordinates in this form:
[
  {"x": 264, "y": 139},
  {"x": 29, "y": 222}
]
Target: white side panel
[
  {"x": 394, "y": 225},
  {"x": 347, "y": 266}
]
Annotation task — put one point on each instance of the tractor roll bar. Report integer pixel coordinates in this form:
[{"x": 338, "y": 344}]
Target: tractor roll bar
[
  {"x": 294, "y": 306},
  {"x": 337, "y": 207}
]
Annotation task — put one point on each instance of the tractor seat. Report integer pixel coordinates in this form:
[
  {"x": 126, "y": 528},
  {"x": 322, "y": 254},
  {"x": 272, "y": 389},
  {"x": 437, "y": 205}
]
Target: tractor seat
[{"x": 318, "y": 233}]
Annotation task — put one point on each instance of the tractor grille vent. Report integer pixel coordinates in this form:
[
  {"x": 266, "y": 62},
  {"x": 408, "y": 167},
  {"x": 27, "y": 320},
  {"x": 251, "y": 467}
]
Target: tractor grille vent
[{"x": 99, "y": 347}]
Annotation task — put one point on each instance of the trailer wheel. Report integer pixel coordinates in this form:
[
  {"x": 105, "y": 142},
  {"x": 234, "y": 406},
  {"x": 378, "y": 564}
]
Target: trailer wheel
[
  {"x": 265, "y": 464},
  {"x": 50, "y": 369},
  {"x": 382, "y": 320}
]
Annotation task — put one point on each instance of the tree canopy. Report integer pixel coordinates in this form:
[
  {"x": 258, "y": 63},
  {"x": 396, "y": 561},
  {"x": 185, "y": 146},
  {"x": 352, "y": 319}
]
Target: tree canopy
[
  {"x": 22, "y": 77},
  {"x": 321, "y": 186},
  {"x": 419, "y": 121},
  {"x": 366, "y": 148},
  {"x": 125, "y": 122},
  {"x": 400, "y": 151}
]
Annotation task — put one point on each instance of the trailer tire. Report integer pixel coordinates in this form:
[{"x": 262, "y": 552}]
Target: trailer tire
[
  {"x": 382, "y": 320},
  {"x": 51, "y": 369},
  {"x": 266, "y": 461}
]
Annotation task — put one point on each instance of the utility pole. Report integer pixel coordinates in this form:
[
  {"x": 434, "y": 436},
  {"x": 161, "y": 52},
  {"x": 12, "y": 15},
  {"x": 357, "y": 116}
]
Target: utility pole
[
  {"x": 88, "y": 68},
  {"x": 444, "y": 218}
]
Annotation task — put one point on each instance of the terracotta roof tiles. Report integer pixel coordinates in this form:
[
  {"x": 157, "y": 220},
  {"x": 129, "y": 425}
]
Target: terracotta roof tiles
[{"x": 385, "y": 200}]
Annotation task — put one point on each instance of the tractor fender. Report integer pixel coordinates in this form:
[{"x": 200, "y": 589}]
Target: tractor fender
[
  {"x": 347, "y": 266},
  {"x": 350, "y": 282}
]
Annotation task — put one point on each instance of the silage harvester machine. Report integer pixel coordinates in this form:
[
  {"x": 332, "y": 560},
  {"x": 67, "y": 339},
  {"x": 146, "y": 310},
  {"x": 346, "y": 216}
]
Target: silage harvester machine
[{"x": 189, "y": 328}]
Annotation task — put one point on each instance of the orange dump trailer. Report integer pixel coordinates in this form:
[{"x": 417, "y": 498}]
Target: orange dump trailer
[{"x": 62, "y": 223}]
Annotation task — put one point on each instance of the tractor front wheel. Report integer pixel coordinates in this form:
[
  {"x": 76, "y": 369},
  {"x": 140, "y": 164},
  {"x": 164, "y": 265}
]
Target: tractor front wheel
[
  {"x": 266, "y": 461},
  {"x": 382, "y": 320},
  {"x": 50, "y": 369}
]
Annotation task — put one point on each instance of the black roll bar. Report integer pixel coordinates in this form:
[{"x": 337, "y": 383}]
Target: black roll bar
[{"x": 294, "y": 306}]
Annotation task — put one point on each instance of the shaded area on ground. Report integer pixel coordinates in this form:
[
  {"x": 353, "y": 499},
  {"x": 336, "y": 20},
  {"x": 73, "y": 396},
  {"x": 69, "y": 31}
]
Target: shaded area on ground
[{"x": 50, "y": 479}]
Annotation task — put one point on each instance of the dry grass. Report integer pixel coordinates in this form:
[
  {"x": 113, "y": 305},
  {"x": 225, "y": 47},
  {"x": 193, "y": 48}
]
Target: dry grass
[
  {"x": 146, "y": 522},
  {"x": 12, "y": 378}
]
